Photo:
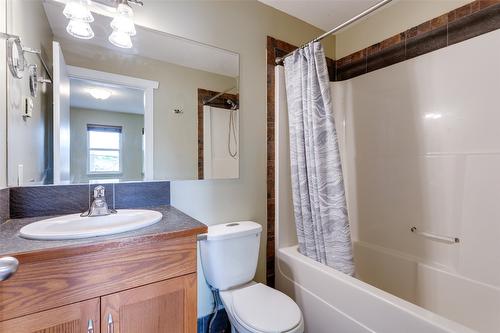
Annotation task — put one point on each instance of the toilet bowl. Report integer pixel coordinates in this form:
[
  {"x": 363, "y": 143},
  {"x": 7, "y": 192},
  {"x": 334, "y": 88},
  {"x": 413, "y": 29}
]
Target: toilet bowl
[
  {"x": 229, "y": 254},
  {"x": 257, "y": 308}
]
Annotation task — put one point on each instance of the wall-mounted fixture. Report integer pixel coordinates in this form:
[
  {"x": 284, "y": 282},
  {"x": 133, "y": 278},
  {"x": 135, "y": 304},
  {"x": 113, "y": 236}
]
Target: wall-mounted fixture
[
  {"x": 17, "y": 63},
  {"x": 15, "y": 56},
  {"x": 80, "y": 17},
  {"x": 28, "y": 108},
  {"x": 33, "y": 80}
]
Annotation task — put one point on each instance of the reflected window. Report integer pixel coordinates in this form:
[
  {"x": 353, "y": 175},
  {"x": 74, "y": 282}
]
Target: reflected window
[{"x": 104, "y": 154}]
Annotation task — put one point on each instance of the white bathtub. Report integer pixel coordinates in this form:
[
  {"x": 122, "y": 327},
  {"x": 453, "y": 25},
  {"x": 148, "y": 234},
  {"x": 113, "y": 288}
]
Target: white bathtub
[{"x": 334, "y": 302}]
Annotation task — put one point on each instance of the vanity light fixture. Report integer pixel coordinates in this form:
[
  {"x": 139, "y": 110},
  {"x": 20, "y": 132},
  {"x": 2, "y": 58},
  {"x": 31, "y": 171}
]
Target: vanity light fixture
[
  {"x": 80, "y": 29},
  {"x": 124, "y": 19},
  {"x": 80, "y": 17},
  {"x": 120, "y": 39},
  {"x": 123, "y": 26},
  {"x": 100, "y": 93}
]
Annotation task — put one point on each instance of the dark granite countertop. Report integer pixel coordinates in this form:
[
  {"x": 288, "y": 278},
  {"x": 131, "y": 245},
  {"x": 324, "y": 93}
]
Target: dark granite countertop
[{"x": 174, "y": 223}]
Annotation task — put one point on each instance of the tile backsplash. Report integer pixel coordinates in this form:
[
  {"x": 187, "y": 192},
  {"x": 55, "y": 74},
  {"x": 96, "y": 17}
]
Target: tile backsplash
[{"x": 67, "y": 199}]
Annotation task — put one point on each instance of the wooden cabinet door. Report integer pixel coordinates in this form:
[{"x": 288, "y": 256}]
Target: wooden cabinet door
[
  {"x": 163, "y": 307},
  {"x": 73, "y": 318}
]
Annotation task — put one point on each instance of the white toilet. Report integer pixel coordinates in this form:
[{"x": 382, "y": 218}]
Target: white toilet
[{"x": 229, "y": 255}]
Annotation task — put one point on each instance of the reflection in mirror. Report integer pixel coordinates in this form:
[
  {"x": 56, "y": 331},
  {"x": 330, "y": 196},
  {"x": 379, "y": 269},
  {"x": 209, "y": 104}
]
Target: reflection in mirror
[
  {"x": 106, "y": 132},
  {"x": 85, "y": 110}
]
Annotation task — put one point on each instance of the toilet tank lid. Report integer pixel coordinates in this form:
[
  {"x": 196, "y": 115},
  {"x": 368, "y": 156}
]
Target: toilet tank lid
[{"x": 233, "y": 230}]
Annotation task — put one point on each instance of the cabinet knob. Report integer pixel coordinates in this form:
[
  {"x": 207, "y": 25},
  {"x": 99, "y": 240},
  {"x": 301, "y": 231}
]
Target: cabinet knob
[
  {"x": 110, "y": 323},
  {"x": 8, "y": 266},
  {"x": 90, "y": 326}
]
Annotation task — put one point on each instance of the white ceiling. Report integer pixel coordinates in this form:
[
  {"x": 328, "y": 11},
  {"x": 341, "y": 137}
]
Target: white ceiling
[
  {"x": 323, "y": 14},
  {"x": 122, "y": 99},
  {"x": 149, "y": 43}
]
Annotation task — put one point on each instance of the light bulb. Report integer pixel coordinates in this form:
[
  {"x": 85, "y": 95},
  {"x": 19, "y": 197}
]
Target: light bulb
[
  {"x": 100, "y": 93},
  {"x": 120, "y": 39},
  {"x": 124, "y": 20},
  {"x": 78, "y": 10},
  {"x": 80, "y": 29}
]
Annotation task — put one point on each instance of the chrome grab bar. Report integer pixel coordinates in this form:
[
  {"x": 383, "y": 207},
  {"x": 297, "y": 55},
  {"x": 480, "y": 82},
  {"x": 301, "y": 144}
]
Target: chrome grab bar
[{"x": 445, "y": 239}]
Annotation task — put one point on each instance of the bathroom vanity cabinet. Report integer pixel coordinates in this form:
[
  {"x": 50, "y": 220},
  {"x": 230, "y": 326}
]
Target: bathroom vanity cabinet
[
  {"x": 166, "y": 306},
  {"x": 137, "y": 284}
]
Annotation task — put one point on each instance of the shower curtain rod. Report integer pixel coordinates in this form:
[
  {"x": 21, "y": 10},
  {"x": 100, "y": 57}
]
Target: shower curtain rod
[{"x": 279, "y": 61}]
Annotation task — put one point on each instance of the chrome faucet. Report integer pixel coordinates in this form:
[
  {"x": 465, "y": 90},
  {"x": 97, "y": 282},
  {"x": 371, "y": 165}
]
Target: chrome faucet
[{"x": 99, "y": 206}]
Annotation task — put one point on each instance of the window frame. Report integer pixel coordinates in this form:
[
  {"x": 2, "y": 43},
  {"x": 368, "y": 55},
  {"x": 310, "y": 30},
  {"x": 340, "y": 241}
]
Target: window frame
[{"x": 119, "y": 150}]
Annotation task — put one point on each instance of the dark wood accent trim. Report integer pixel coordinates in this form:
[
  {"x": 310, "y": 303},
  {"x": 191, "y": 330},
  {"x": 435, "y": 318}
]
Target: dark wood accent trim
[
  {"x": 51, "y": 279},
  {"x": 219, "y": 102},
  {"x": 275, "y": 48},
  {"x": 468, "y": 21}
]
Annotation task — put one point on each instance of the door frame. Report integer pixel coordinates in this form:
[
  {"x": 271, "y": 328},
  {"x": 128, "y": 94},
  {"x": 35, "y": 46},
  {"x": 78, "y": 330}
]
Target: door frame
[{"x": 147, "y": 86}]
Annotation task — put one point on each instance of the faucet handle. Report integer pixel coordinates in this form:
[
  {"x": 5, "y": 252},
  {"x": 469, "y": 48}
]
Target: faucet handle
[{"x": 99, "y": 192}]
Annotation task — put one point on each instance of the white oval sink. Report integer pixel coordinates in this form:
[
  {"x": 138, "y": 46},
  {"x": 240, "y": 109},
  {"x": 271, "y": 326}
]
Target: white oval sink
[{"x": 75, "y": 227}]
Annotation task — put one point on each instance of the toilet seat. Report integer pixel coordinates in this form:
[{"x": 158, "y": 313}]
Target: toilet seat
[{"x": 265, "y": 310}]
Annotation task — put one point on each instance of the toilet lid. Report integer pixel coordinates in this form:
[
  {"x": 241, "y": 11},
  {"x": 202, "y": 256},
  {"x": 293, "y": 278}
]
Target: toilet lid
[{"x": 265, "y": 309}]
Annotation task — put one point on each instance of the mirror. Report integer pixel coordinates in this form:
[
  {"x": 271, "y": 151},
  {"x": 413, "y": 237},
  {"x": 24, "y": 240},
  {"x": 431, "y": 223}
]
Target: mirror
[{"x": 85, "y": 110}]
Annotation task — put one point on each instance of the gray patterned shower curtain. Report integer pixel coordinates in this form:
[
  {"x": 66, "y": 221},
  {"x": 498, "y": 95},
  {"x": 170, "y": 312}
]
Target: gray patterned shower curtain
[{"x": 317, "y": 183}]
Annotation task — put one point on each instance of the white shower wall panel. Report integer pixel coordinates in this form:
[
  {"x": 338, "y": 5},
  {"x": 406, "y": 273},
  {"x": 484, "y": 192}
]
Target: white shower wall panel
[{"x": 421, "y": 147}]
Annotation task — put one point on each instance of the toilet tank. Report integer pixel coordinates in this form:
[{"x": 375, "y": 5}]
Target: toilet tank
[{"x": 229, "y": 253}]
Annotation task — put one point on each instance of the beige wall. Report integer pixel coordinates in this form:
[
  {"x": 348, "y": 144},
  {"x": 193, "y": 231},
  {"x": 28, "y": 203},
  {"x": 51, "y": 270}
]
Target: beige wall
[
  {"x": 132, "y": 125},
  {"x": 396, "y": 17},
  {"x": 240, "y": 26},
  {"x": 175, "y": 135},
  {"x": 27, "y": 19}
]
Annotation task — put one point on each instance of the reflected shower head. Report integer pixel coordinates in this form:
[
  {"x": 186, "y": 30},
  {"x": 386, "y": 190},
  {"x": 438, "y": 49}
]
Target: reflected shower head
[{"x": 234, "y": 106}]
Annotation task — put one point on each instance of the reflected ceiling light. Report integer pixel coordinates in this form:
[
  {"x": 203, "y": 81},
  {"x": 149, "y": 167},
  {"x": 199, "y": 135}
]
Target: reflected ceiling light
[
  {"x": 120, "y": 39},
  {"x": 100, "y": 93},
  {"x": 80, "y": 29},
  {"x": 78, "y": 10},
  {"x": 124, "y": 20},
  {"x": 433, "y": 116}
]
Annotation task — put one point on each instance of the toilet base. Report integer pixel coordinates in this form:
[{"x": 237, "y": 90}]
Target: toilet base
[{"x": 237, "y": 327}]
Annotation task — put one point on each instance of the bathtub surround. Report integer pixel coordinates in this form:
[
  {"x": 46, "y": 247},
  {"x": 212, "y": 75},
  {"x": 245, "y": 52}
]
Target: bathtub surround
[
  {"x": 421, "y": 146},
  {"x": 317, "y": 182},
  {"x": 69, "y": 199},
  {"x": 471, "y": 20}
]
